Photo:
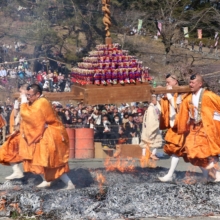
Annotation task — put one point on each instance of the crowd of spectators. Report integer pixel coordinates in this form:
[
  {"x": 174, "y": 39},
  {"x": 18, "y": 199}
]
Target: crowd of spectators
[
  {"x": 18, "y": 46},
  {"x": 112, "y": 125},
  {"x": 50, "y": 80}
]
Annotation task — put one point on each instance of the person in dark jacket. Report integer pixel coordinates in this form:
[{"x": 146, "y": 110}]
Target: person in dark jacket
[
  {"x": 130, "y": 129},
  {"x": 104, "y": 132},
  {"x": 68, "y": 118}
]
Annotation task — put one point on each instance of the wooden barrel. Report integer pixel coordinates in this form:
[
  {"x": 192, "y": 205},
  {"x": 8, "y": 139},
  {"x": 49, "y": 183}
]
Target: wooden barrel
[
  {"x": 84, "y": 143},
  {"x": 71, "y": 134}
]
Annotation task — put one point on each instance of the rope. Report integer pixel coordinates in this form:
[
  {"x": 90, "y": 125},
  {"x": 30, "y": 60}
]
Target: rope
[
  {"x": 35, "y": 59},
  {"x": 58, "y": 61},
  {"x": 5, "y": 63}
]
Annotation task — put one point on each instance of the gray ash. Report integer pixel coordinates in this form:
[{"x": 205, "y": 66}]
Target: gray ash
[{"x": 121, "y": 195}]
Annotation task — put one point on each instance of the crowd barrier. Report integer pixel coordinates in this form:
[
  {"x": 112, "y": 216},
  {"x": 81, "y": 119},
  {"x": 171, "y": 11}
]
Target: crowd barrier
[
  {"x": 81, "y": 143},
  {"x": 82, "y": 146}
]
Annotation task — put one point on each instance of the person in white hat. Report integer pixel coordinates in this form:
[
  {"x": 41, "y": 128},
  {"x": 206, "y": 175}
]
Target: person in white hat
[{"x": 9, "y": 152}]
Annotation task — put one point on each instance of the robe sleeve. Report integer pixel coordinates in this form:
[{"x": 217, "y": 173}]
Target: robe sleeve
[
  {"x": 215, "y": 99},
  {"x": 2, "y": 122},
  {"x": 164, "y": 116},
  {"x": 183, "y": 117},
  {"x": 35, "y": 118},
  {"x": 12, "y": 121}
]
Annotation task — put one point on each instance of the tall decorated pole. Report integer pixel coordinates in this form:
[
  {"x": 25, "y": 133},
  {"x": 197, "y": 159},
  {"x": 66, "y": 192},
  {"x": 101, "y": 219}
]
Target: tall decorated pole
[
  {"x": 107, "y": 20},
  {"x": 109, "y": 64}
]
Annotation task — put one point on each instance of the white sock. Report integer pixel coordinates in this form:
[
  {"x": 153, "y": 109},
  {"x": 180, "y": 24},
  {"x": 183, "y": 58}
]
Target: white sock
[
  {"x": 16, "y": 168},
  {"x": 173, "y": 165},
  {"x": 205, "y": 172},
  {"x": 66, "y": 180},
  {"x": 44, "y": 183},
  {"x": 154, "y": 151},
  {"x": 17, "y": 172},
  {"x": 217, "y": 176},
  {"x": 42, "y": 176},
  {"x": 144, "y": 152}
]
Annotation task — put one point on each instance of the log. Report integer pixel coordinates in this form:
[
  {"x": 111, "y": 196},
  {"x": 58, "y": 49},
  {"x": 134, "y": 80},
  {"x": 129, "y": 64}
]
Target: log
[
  {"x": 164, "y": 90},
  {"x": 93, "y": 94},
  {"x": 57, "y": 96},
  {"x": 129, "y": 150}
]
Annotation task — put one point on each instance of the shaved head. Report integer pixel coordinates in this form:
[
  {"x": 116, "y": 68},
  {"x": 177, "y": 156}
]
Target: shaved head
[
  {"x": 154, "y": 100},
  {"x": 196, "y": 83},
  {"x": 153, "y": 97},
  {"x": 24, "y": 86},
  {"x": 199, "y": 78}
]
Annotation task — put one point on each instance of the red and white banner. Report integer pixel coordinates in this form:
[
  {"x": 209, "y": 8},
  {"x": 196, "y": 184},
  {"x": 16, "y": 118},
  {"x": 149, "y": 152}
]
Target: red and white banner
[
  {"x": 216, "y": 43},
  {"x": 199, "y": 31},
  {"x": 159, "y": 25}
]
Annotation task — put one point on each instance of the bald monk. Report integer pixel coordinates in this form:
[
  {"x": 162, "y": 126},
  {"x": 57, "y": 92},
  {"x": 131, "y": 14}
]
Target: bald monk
[
  {"x": 168, "y": 120},
  {"x": 44, "y": 143},
  {"x": 9, "y": 152},
  {"x": 200, "y": 116}
]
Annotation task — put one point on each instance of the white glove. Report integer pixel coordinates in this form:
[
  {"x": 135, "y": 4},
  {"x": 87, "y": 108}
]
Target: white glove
[
  {"x": 169, "y": 96},
  {"x": 23, "y": 99},
  {"x": 16, "y": 104}
]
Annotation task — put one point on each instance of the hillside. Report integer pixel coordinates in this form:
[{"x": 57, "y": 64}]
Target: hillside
[{"x": 72, "y": 28}]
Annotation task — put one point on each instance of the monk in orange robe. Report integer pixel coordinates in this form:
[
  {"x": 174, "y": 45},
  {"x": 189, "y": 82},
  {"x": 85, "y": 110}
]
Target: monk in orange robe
[
  {"x": 168, "y": 120},
  {"x": 44, "y": 143},
  {"x": 2, "y": 122},
  {"x": 10, "y": 149},
  {"x": 200, "y": 117},
  {"x": 3, "y": 125}
]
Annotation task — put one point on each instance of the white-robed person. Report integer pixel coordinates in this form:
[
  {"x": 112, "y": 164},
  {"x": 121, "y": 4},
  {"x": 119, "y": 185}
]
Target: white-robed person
[{"x": 151, "y": 137}]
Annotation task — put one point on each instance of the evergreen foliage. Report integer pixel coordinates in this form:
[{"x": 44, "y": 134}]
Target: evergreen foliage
[{"x": 85, "y": 16}]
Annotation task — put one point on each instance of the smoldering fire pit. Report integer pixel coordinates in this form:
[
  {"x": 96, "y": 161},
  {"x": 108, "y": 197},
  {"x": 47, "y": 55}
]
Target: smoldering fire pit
[{"x": 112, "y": 194}]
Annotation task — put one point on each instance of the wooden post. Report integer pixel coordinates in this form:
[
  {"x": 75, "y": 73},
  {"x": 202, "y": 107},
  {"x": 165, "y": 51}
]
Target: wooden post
[{"x": 108, "y": 40}]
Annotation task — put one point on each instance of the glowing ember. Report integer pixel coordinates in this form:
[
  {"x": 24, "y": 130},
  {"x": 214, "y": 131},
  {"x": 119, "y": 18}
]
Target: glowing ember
[
  {"x": 146, "y": 162},
  {"x": 190, "y": 176},
  {"x": 122, "y": 165},
  {"x": 39, "y": 212},
  {"x": 2, "y": 204},
  {"x": 16, "y": 207},
  {"x": 101, "y": 180}
]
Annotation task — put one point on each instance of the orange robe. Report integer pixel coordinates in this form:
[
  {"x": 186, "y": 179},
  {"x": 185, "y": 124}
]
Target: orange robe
[
  {"x": 10, "y": 149},
  {"x": 174, "y": 141},
  {"x": 203, "y": 139},
  {"x": 2, "y": 122},
  {"x": 44, "y": 142}
]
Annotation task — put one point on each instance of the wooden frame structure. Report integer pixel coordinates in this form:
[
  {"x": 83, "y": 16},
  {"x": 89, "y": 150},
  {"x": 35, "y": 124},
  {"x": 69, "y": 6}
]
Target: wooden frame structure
[{"x": 111, "y": 94}]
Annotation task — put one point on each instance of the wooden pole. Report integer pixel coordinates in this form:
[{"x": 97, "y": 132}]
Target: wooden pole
[
  {"x": 164, "y": 90},
  {"x": 107, "y": 20},
  {"x": 108, "y": 40},
  {"x": 118, "y": 93}
]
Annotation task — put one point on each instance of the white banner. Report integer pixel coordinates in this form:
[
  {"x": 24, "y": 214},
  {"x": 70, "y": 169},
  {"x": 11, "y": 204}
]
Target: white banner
[
  {"x": 186, "y": 32},
  {"x": 140, "y": 22}
]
